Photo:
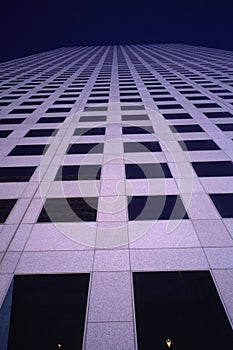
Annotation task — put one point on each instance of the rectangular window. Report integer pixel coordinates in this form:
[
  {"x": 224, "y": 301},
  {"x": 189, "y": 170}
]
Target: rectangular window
[
  {"x": 218, "y": 114},
  {"x": 156, "y": 208},
  {"x": 3, "y": 104},
  {"x": 94, "y": 118},
  {"x": 95, "y": 109},
  {"x": 69, "y": 210},
  {"x": 38, "y": 97},
  {"x": 11, "y": 120},
  {"x": 31, "y": 103},
  {"x": 133, "y": 100},
  {"x": 5, "y": 133},
  {"x": 175, "y": 106},
  {"x": 163, "y": 99},
  {"x": 78, "y": 172},
  {"x": 209, "y": 169},
  {"x": 16, "y": 174},
  {"x": 85, "y": 148},
  {"x": 29, "y": 150},
  {"x": 147, "y": 171},
  {"x": 6, "y": 205},
  {"x": 186, "y": 128},
  {"x": 225, "y": 127},
  {"x": 156, "y": 93},
  {"x": 189, "y": 92},
  {"x": 132, "y": 108},
  {"x": 46, "y": 120},
  {"x": 137, "y": 130},
  {"x": 69, "y": 95},
  {"x": 135, "y": 117},
  {"x": 177, "y": 116},
  {"x": 196, "y": 98},
  {"x": 181, "y": 307},
  {"x": 206, "y": 105},
  {"x": 22, "y": 111},
  {"x": 223, "y": 203},
  {"x": 98, "y": 101},
  {"x": 64, "y": 102},
  {"x": 41, "y": 132},
  {"x": 58, "y": 110},
  {"x": 48, "y": 310},
  {"x": 151, "y": 146},
  {"x": 89, "y": 131},
  {"x": 198, "y": 145},
  {"x": 226, "y": 97}
]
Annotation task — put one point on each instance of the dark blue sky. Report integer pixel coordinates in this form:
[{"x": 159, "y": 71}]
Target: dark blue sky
[{"x": 29, "y": 27}]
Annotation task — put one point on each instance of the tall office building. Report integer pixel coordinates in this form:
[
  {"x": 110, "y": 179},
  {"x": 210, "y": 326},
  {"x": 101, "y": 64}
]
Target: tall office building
[{"x": 116, "y": 199}]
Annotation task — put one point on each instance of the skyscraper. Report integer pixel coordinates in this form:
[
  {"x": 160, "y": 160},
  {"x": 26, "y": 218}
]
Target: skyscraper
[{"x": 116, "y": 198}]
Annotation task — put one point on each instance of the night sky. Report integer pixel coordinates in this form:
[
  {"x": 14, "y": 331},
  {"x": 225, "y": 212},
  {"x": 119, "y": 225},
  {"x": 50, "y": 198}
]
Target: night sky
[{"x": 29, "y": 27}]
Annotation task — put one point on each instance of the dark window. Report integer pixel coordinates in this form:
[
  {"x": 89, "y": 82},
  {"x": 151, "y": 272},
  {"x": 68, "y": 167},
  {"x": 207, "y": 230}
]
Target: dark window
[
  {"x": 5, "y": 133},
  {"x": 156, "y": 207},
  {"x": 69, "y": 96},
  {"x": 64, "y": 102},
  {"x": 95, "y": 109},
  {"x": 211, "y": 86},
  {"x": 132, "y": 108},
  {"x": 186, "y": 128},
  {"x": 11, "y": 120},
  {"x": 58, "y": 110},
  {"x": 78, "y": 172},
  {"x": 225, "y": 127},
  {"x": 177, "y": 116},
  {"x": 72, "y": 90},
  {"x": 218, "y": 114},
  {"x": 130, "y": 100},
  {"x": 38, "y": 97},
  {"x": 206, "y": 105},
  {"x": 195, "y": 98},
  {"x": 98, "y": 101},
  {"x": 94, "y": 118},
  {"x": 219, "y": 91},
  {"x": 87, "y": 131},
  {"x": 198, "y": 145},
  {"x": 9, "y": 98},
  {"x": 22, "y": 111},
  {"x": 16, "y": 174},
  {"x": 18, "y": 93},
  {"x": 152, "y": 146},
  {"x": 137, "y": 130},
  {"x": 6, "y": 205},
  {"x": 46, "y": 120},
  {"x": 134, "y": 117},
  {"x": 29, "y": 103},
  {"x": 156, "y": 93},
  {"x": 99, "y": 95},
  {"x": 189, "y": 92},
  {"x": 29, "y": 150},
  {"x": 182, "y": 306},
  {"x": 223, "y": 203},
  {"x": 69, "y": 210},
  {"x": 175, "y": 106},
  {"x": 48, "y": 310},
  {"x": 154, "y": 170},
  {"x": 226, "y": 97},
  {"x": 162, "y": 99},
  {"x": 3, "y": 104},
  {"x": 84, "y": 148},
  {"x": 207, "y": 169},
  {"x": 41, "y": 132}
]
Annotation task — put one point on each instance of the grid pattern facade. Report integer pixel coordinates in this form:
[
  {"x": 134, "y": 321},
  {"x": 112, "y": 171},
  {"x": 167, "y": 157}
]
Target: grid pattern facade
[{"x": 115, "y": 160}]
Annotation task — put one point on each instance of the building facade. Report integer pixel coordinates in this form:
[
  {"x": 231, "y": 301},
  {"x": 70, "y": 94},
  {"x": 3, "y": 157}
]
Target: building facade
[{"x": 116, "y": 192}]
